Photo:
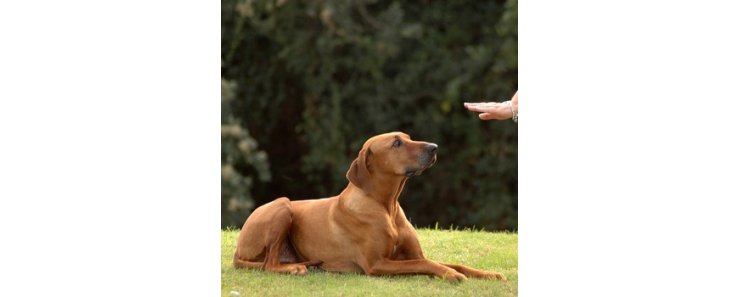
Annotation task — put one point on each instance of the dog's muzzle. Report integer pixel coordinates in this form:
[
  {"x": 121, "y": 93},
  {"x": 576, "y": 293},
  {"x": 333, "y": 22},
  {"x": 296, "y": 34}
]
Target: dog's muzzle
[{"x": 427, "y": 159}]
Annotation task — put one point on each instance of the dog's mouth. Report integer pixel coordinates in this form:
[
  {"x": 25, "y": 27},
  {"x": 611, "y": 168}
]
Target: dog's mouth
[
  {"x": 410, "y": 173},
  {"x": 431, "y": 163},
  {"x": 418, "y": 171}
]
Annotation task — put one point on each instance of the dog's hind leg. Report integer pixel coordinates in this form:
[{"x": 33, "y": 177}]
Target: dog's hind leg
[{"x": 263, "y": 236}]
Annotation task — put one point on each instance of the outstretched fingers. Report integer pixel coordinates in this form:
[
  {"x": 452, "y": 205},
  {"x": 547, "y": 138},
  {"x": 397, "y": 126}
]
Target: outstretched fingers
[{"x": 481, "y": 106}]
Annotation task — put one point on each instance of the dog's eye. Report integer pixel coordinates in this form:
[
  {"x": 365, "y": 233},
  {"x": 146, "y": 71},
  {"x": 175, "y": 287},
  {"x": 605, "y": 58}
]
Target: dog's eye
[{"x": 397, "y": 143}]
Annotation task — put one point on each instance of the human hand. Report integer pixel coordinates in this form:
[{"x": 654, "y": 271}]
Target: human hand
[
  {"x": 490, "y": 110},
  {"x": 495, "y": 110}
]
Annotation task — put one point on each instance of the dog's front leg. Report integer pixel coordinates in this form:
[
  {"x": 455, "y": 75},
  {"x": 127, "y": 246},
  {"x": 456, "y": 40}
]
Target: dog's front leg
[
  {"x": 417, "y": 266},
  {"x": 475, "y": 273}
]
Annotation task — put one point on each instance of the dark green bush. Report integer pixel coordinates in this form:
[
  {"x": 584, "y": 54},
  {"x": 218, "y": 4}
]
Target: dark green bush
[
  {"x": 239, "y": 154},
  {"x": 315, "y": 79}
]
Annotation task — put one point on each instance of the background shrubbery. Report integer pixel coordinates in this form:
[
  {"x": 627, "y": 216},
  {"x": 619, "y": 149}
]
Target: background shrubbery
[{"x": 305, "y": 83}]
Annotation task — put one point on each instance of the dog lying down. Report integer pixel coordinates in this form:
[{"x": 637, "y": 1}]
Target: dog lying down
[{"x": 362, "y": 230}]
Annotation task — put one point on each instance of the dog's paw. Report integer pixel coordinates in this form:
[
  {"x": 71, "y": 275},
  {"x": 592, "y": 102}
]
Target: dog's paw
[
  {"x": 293, "y": 269},
  {"x": 298, "y": 269},
  {"x": 452, "y": 275},
  {"x": 494, "y": 275}
]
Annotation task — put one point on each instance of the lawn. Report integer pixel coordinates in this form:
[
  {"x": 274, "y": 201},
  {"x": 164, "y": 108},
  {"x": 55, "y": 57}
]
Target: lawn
[{"x": 478, "y": 249}]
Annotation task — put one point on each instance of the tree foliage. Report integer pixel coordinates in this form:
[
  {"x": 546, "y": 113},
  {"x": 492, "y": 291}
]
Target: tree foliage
[{"x": 312, "y": 80}]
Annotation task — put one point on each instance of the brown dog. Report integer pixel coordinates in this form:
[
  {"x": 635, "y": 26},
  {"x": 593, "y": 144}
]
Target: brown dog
[{"x": 363, "y": 229}]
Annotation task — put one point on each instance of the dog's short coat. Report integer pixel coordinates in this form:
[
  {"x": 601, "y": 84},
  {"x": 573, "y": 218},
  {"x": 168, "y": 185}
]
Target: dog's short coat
[{"x": 363, "y": 229}]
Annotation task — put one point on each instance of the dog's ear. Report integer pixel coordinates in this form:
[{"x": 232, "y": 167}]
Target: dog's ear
[{"x": 358, "y": 173}]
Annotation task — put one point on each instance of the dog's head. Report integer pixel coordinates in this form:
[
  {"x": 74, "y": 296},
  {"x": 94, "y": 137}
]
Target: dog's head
[{"x": 391, "y": 154}]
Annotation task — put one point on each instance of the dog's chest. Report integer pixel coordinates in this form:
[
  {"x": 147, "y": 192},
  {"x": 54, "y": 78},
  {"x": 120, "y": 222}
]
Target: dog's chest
[
  {"x": 395, "y": 248},
  {"x": 393, "y": 238}
]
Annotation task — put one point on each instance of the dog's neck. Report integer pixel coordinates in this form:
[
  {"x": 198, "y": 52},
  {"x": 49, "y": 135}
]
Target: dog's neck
[
  {"x": 389, "y": 196},
  {"x": 386, "y": 190}
]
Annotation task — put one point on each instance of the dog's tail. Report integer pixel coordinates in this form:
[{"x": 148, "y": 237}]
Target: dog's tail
[
  {"x": 239, "y": 263},
  {"x": 312, "y": 263}
]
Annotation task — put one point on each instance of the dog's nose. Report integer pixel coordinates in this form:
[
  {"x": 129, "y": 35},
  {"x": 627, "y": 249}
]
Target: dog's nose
[{"x": 431, "y": 148}]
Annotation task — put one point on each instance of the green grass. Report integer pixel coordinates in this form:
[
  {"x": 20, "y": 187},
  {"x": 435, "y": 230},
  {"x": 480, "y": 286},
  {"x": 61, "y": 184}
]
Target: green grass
[{"x": 478, "y": 249}]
